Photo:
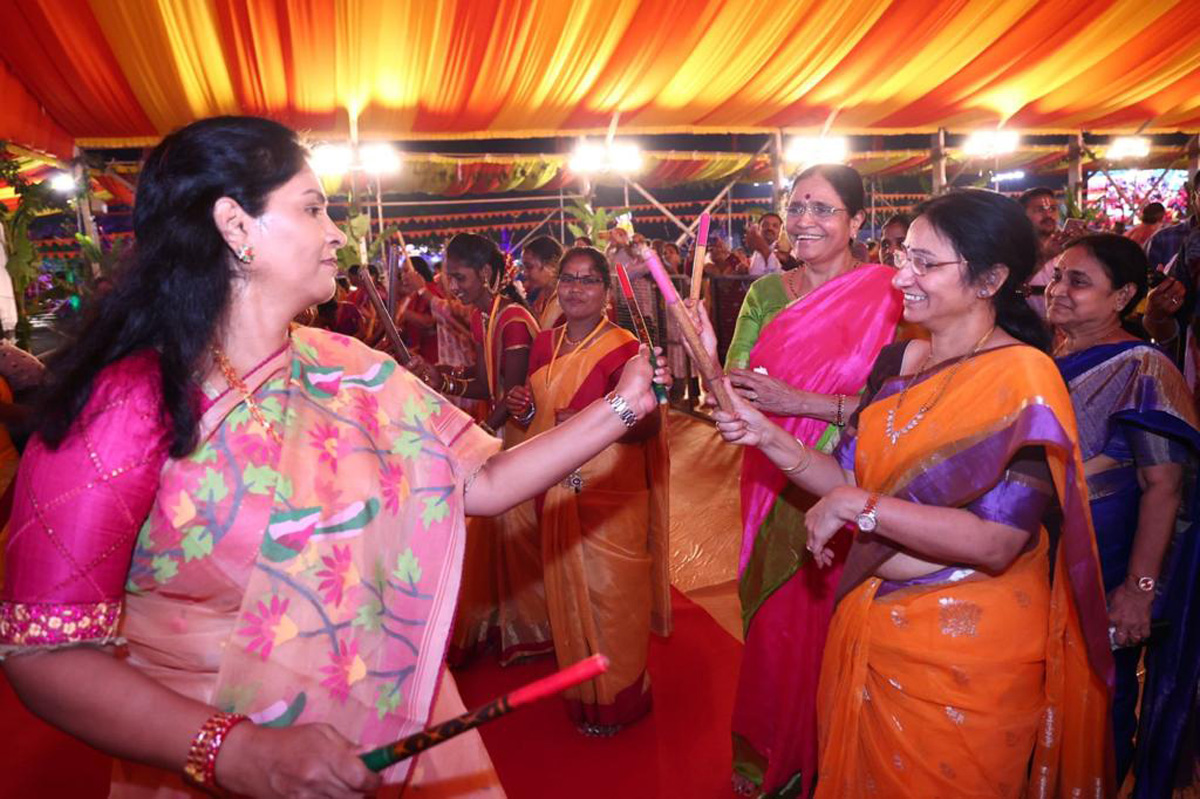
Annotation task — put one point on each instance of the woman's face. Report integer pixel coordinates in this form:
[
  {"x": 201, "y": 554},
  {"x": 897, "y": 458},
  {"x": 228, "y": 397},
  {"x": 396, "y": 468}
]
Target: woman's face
[
  {"x": 538, "y": 273},
  {"x": 1081, "y": 293},
  {"x": 582, "y": 291},
  {"x": 815, "y": 236},
  {"x": 671, "y": 256},
  {"x": 943, "y": 292},
  {"x": 295, "y": 244},
  {"x": 465, "y": 283}
]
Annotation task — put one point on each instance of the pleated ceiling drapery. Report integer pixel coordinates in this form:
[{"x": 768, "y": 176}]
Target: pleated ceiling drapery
[{"x": 110, "y": 72}]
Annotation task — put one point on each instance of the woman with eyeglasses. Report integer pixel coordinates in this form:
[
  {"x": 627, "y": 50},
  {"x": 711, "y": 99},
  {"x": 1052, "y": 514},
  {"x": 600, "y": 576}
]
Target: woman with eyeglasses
[
  {"x": 803, "y": 346},
  {"x": 968, "y": 653},
  {"x": 1140, "y": 441},
  {"x": 603, "y": 528}
]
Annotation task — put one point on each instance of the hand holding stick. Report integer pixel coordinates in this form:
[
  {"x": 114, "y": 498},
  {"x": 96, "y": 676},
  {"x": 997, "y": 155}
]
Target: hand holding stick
[
  {"x": 707, "y": 367},
  {"x": 584, "y": 670},
  {"x": 639, "y": 321},
  {"x": 698, "y": 260}
]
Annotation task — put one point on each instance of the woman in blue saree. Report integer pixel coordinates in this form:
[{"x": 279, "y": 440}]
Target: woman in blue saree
[{"x": 1140, "y": 441}]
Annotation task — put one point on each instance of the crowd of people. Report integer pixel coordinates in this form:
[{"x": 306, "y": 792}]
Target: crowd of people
[{"x": 968, "y": 559}]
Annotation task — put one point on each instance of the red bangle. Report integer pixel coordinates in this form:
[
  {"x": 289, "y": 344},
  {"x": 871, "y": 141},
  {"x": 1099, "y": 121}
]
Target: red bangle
[{"x": 201, "y": 766}]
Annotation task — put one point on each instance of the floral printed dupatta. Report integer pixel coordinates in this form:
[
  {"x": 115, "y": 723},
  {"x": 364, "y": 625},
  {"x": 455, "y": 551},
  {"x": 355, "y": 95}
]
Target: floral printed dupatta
[{"x": 313, "y": 581}]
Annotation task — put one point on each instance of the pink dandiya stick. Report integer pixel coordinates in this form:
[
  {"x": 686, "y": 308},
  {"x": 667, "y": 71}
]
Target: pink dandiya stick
[
  {"x": 698, "y": 260},
  {"x": 709, "y": 370},
  {"x": 639, "y": 321},
  {"x": 390, "y": 754}
]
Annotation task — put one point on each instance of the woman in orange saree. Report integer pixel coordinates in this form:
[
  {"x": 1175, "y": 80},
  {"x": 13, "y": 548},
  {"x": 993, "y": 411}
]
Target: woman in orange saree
[
  {"x": 968, "y": 653},
  {"x": 604, "y": 528}
]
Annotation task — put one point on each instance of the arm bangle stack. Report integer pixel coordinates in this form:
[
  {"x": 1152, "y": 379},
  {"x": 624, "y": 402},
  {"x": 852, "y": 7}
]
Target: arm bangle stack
[
  {"x": 803, "y": 463},
  {"x": 201, "y": 766},
  {"x": 840, "y": 418}
]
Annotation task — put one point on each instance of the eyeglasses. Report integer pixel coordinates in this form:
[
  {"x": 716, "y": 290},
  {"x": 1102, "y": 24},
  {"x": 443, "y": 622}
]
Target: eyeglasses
[
  {"x": 818, "y": 210},
  {"x": 919, "y": 264},
  {"x": 586, "y": 280}
]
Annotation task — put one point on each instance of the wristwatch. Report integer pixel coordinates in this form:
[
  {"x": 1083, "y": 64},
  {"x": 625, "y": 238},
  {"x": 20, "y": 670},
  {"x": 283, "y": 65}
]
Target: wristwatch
[
  {"x": 1145, "y": 584},
  {"x": 621, "y": 408},
  {"x": 868, "y": 519}
]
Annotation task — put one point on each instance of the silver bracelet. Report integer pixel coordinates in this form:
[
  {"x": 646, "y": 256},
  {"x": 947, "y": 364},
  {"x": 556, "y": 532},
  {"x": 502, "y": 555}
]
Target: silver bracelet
[{"x": 621, "y": 408}]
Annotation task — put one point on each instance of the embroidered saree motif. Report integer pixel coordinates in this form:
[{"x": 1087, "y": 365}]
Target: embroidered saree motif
[{"x": 313, "y": 581}]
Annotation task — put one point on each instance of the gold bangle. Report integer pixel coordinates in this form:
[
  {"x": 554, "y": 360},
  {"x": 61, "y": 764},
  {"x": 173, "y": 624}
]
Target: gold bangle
[
  {"x": 803, "y": 463},
  {"x": 840, "y": 419}
]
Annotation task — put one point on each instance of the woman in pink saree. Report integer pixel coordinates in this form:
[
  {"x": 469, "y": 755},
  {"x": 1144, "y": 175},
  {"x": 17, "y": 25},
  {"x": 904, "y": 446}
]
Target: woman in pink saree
[
  {"x": 802, "y": 350},
  {"x": 236, "y": 546}
]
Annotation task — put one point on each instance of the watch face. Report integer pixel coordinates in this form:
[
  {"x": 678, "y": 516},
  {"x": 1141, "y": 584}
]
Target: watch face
[
  {"x": 1145, "y": 584},
  {"x": 865, "y": 522}
]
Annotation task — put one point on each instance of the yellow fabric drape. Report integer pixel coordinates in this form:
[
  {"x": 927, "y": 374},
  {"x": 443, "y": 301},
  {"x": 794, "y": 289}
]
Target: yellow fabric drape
[{"x": 106, "y": 72}]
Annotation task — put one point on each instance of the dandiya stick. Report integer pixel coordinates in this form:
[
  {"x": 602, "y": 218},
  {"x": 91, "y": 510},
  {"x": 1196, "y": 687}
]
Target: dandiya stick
[
  {"x": 639, "y": 321},
  {"x": 390, "y": 754},
  {"x": 389, "y": 325},
  {"x": 698, "y": 260},
  {"x": 709, "y": 370}
]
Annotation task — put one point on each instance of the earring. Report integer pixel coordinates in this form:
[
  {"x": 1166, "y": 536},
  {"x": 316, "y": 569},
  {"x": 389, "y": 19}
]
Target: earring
[
  {"x": 245, "y": 253},
  {"x": 983, "y": 294}
]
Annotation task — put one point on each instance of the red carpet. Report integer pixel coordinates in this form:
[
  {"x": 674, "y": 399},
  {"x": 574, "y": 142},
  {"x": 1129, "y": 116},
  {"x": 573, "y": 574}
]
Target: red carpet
[{"x": 681, "y": 750}]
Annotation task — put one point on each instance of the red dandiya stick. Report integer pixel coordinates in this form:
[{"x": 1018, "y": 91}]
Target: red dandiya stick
[
  {"x": 390, "y": 754},
  {"x": 639, "y": 321},
  {"x": 710, "y": 371}
]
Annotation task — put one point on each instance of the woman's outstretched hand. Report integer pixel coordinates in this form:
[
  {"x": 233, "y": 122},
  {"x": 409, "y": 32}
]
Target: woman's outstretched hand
[{"x": 635, "y": 382}]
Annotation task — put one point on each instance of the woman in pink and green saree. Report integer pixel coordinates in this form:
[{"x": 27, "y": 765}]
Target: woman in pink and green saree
[{"x": 236, "y": 546}]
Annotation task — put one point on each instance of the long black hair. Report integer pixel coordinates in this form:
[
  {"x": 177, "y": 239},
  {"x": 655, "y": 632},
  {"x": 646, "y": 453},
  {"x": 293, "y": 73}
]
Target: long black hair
[
  {"x": 175, "y": 288},
  {"x": 988, "y": 229},
  {"x": 475, "y": 252}
]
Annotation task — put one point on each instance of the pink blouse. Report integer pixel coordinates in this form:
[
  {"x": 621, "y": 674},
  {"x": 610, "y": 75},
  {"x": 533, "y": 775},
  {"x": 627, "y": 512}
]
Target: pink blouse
[{"x": 77, "y": 513}]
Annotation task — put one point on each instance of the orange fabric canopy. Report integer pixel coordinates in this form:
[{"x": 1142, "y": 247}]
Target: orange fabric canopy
[{"x": 105, "y": 73}]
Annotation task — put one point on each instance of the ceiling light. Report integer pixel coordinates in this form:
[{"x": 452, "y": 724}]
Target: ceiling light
[
  {"x": 987, "y": 143},
  {"x": 806, "y": 150},
  {"x": 379, "y": 158},
  {"x": 1128, "y": 147}
]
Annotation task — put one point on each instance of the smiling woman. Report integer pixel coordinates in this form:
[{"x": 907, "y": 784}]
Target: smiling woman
[
  {"x": 1141, "y": 448},
  {"x": 962, "y": 473},
  {"x": 604, "y": 528},
  {"x": 269, "y": 521}
]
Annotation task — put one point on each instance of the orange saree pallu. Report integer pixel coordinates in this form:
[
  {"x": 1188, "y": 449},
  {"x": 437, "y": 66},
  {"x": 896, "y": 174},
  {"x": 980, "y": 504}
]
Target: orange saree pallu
[
  {"x": 501, "y": 603},
  {"x": 604, "y": 537},
  {"x": 963, "y": 683}
]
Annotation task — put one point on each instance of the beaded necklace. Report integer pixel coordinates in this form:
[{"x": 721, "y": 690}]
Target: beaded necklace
[{"x": 893, "y": 435}]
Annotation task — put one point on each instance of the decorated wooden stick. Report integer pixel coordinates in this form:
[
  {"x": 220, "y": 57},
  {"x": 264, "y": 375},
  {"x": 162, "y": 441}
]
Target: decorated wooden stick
[
  {"x": 389, "y": 325},
  {"x": 584, "y": 670},
  {"x": 709, "y": 370},
  {"x": 698, "y": 261},
  {"x": 639, "y": 321}
]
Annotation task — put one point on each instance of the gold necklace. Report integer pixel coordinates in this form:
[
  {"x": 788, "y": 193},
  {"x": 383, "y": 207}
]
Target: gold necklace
[
  {"x": 237, "y": 384},
  {"x": 893, "y": 435},
  {"x": 576, "y": 344}
]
